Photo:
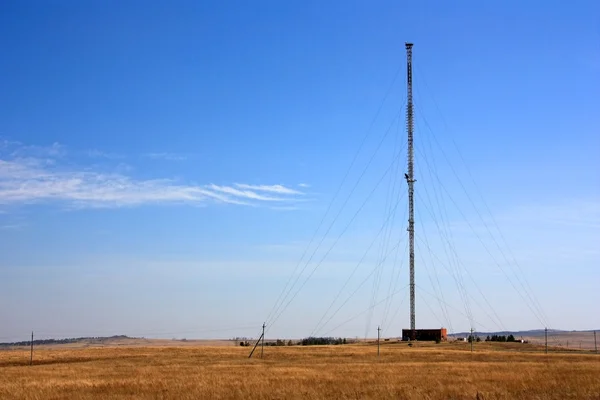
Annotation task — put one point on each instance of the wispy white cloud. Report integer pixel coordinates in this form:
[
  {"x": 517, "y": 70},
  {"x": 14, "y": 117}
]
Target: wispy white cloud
[
  {"x": 248, "y": 194},
  {"x": 166, "y": 156},
  {"x": 103, "y": 154},
  {"x": 16, "y": 226},
  {"x": 5, "y": 144},
  {"x": 52, "y": 151},
  {"x": 25, "y": 179},
  {"x": 56, "y": 150},
  {"x": 285, "y": 208},
  {"x": 303, "y": 185},
  {"x": 280, "y": 189}
]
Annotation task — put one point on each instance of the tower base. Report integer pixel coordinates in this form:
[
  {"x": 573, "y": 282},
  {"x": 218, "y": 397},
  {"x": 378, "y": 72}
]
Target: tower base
[{"x": 437, "y": 335}]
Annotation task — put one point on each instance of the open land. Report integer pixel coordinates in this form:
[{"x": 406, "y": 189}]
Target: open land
[{"x": 176, "y": 370}]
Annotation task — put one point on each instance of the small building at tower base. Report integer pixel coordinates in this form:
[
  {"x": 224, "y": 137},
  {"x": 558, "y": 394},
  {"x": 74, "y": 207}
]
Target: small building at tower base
[{"x": 437, "y": 335}]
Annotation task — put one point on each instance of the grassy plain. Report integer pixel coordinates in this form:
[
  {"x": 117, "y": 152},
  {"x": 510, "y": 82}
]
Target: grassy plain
[{"x": 426, "y": 371}]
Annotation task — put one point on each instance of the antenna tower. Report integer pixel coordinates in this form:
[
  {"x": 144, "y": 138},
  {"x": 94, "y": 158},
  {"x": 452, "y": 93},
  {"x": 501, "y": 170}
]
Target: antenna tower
[{"x": 411, "y": 181}]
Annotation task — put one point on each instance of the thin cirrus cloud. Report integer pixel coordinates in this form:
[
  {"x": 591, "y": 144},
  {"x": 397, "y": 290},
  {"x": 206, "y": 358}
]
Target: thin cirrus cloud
[
  {"x": 27, "y": 180},
  {"x": 165, "y": 156},
  {"x": 17, "y": 149},
  {"x": 280, "y": 189},
  {"x": 248, "y": 194}
]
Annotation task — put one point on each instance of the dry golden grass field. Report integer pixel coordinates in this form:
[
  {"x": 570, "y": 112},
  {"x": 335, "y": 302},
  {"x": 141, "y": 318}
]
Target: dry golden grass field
[{"x": 425, "y": 371}]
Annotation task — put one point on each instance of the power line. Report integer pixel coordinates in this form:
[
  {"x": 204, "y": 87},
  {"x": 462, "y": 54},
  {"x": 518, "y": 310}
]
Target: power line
[
  {"x": 385, "y": 241},
  {"x": 394, "y": 278},
  {"x": 365, "y": 310},
  {"x": 456, "y": 275},
  {"x": 358, "y": 288},
  {"x": 454, "y": 308},
  {"x": 337, "y": 192},
  {"x": 499, "y": 323},
  {"x": 431, "y": 309},
  {"x": 538, "y": 312},
  {"x": 488, "y": 250},
  {"x": 435, "y": 289},
  {"x": 355, "y": 268},
  {"x": 332, "y": 246},
  {"x": 277, "y": 312},
  {"x": 444, "y": 232},
  {"x": 479, "y": 192},
  {"x": 401, "y": 303},
  {"x": 446, "y": 236}
]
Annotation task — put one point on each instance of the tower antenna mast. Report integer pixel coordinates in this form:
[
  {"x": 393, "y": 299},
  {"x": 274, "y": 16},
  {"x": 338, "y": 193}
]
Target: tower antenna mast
[{"x": 411, "y": 181}]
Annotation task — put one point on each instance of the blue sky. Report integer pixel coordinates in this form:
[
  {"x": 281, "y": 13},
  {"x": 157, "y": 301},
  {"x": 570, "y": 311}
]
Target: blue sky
[{"x": 163, "y": 166}]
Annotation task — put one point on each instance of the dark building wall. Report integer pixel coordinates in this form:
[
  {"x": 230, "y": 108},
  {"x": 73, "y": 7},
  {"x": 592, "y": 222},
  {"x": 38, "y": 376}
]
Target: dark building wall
[{"x": 425, "y": 334}]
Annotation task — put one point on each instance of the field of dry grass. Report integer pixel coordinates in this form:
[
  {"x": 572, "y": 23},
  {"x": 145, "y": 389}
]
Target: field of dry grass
[{"x": 445, "y": 371}]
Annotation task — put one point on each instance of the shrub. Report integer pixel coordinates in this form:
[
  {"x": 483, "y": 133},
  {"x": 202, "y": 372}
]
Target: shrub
[{"x": 312, "y": 341}]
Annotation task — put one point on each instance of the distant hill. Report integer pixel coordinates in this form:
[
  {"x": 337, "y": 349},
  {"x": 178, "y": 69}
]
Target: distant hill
[
  {"x": 116, "y": 341},
  {"x": 38, "y": 342},
  {"x": 528, "y": 333},
  {"x": 556, "y": 337},
  {"x": 532, "y": 332}
]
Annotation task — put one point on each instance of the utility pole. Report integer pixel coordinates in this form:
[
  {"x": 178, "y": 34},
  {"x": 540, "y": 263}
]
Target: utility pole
[
  {"x": 378, "y": 336},
  {"x": 472, "y": 339},
  {"x": 595, "y": 343},
  {"x": 261, "y": 338},
  {"x": 546, "y": 337},
  {"x": 31, "y": 351},
  {"x": 262, "y": 347},
  {"x": 410, "y": 179}
]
